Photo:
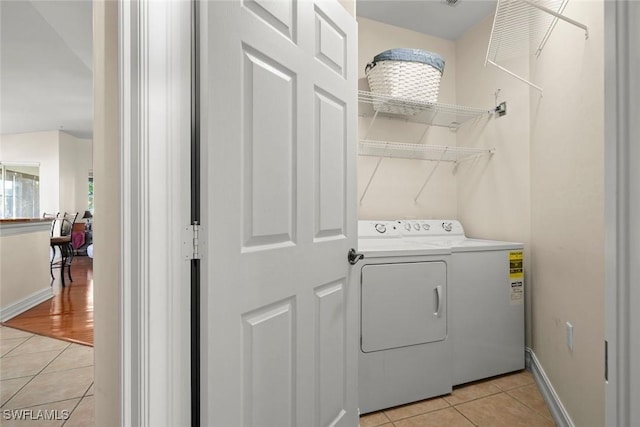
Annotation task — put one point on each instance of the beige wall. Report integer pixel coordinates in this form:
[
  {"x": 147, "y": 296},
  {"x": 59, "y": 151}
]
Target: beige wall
[
  {"x": 544, "y": 187},
  {"x": 42, "y": 148},
  {"x": 393, "y": 189},
  {"x": 350, "y": 5},
  {"x": 64, "y": 162},
  {"x": 106, "y": 273},
  {"x": 494, "y": 192},
  {"x": 24, "y": 266},
  {"x": 567, "y": 203}
]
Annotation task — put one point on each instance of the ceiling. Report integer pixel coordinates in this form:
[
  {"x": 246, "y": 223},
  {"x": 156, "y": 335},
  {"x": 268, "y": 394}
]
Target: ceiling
[
  {"x": 46, "y": 66},
  {"x": 46, "y": 54},
  {"x": 433, "y": 17}
]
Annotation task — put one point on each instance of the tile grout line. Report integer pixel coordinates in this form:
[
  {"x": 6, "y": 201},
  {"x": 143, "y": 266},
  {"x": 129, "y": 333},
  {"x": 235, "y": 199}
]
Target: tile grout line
[
  {"x": 416, "y": 415},
  {"x": 527, "y": 405},
  {"x": 17, "y": 391},
  {"x": 476, "y": 398},
  {"x": 77, "y": 404},
  {"x": 34, "y": 352},
  {"x": 8, "y": 339},
  {"x": 45, "y": 403},
  {"x": 34, "y": 376},
  {"x": 465, "y": 417},
  {"x": 16, "y": 347}
]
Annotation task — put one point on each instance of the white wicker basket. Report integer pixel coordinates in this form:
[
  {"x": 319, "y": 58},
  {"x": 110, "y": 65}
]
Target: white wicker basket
[
  {"x": 415, "y": 80},
  {"x": 404, "y": 79}
]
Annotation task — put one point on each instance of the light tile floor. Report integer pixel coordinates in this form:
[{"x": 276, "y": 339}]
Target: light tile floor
[
  {"x": 44, "y": 381},
  {"x": 507, "y": 401},
  {"x": 45, "y": 377}
]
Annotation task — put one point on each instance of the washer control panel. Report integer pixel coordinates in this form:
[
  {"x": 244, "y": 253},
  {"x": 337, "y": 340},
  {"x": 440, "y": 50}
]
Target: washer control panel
[
  {"x": 430, "y": 227},
  {"x": 378, "y": 229},
  {"x": 408, "y": 228}
]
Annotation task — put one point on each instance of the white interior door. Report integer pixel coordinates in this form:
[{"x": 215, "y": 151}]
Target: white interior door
[{"x": 278, "y": 121}]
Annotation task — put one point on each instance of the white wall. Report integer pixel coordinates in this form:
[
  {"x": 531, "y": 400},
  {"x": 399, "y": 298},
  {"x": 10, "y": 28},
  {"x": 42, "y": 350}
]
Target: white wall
[
  {"x": 65, "y": 162},
  {"x": 567, "y": 215},
  {"x": 392, "y": 191},
  {"x": 42, "y": 148},
  {"x": 75, "y": 164}
]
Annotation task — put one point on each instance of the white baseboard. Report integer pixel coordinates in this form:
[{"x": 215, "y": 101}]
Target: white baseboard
[
  {"x": 557, "y": 409},
  {"x": 25, "y": 304}
]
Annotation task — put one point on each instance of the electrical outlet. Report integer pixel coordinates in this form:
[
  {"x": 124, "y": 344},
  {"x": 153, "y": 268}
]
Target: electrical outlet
[{"x": 569, "y": 329}]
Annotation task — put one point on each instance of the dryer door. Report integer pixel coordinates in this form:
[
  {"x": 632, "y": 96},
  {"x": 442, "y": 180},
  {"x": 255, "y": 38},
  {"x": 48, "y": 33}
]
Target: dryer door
[{"x": 403, "y": 304}]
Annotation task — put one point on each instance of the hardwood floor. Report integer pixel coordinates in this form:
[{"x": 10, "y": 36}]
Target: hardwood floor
[{"x": 69, "y": 314}]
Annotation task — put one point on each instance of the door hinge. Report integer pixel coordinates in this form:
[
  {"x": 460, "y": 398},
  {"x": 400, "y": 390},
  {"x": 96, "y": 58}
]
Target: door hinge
[{"x": 191, "y": 242}]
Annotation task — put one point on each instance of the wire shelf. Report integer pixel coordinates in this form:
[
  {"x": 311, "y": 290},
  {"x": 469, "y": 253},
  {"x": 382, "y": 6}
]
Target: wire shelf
[
  {"x": 433, "y": 114},
  {"x": 522, "y": 27},
  {"x": 420, "y": 151},
  {"x": 437, "y": 153}
]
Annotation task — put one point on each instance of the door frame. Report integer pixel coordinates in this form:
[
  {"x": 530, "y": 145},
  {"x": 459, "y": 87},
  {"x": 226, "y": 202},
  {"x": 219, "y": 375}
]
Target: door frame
[
  {"x": 622, "y": 208},
  {"x": 142, "y": 340},
  {"x": 155, "y": 54}
]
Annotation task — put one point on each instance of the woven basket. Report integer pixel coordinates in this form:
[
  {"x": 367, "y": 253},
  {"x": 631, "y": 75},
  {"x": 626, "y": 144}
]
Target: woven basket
[{"x": 405, "y": 78}]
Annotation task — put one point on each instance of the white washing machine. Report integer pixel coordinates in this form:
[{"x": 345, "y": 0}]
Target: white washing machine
[
  {"x": 405, "y": 350},
  {"x": 486, "y": 299}
]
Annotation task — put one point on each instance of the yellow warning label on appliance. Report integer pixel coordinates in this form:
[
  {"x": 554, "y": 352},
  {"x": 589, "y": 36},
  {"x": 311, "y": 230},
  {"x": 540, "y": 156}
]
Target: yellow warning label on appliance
[{"x": 516, "y": 265}]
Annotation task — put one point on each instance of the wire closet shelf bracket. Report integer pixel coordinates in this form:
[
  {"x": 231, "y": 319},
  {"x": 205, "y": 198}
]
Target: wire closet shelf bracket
[{"x": 524, "y": 26}]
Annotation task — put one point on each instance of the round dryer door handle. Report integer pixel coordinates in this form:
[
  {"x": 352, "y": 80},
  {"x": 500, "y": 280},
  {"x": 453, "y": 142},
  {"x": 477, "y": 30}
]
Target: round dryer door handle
[{"x": 354, "y": 256}]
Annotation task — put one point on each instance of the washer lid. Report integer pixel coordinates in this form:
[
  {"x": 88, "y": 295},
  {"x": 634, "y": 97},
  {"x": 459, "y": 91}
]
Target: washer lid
[
  {"x": 378, "y": 248},
  {"x": 468, "y": 245}
]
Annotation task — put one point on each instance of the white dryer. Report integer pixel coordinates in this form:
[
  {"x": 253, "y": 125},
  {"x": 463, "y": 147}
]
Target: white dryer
[
  {"x": 405, "y": 352},
  {"x": 486, "y": 299}
]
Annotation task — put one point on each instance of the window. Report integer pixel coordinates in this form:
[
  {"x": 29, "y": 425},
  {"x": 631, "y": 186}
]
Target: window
[
  {"x": 90, "y": 192},
  {"x": 19, "y": 190}
]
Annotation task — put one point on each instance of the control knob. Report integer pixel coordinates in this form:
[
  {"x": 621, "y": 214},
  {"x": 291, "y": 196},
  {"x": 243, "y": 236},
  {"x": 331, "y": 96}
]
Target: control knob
[
  {"x": 416, "y": 226},
  {"x": 381, "y": 228},
  {"x": 447, "y": 226},
  {"x": 426, "y": 227},
  {"x": 407, "y": 226}
]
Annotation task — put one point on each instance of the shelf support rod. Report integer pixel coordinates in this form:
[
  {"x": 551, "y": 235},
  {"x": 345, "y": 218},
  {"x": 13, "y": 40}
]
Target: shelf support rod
[
  {"x": 375, "y": 170},
  {"x": 544, "y": 40},
  {"x": 373, "y": 120},
  {"x": 428, "y": 126},
  {"x": 511, "y": 73},
  {"x": 489, "y": 152},
  {"x": 415, "y": 200},
  {"x": 559, "y": 16},
  {"x": 424, "y": 133}
]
